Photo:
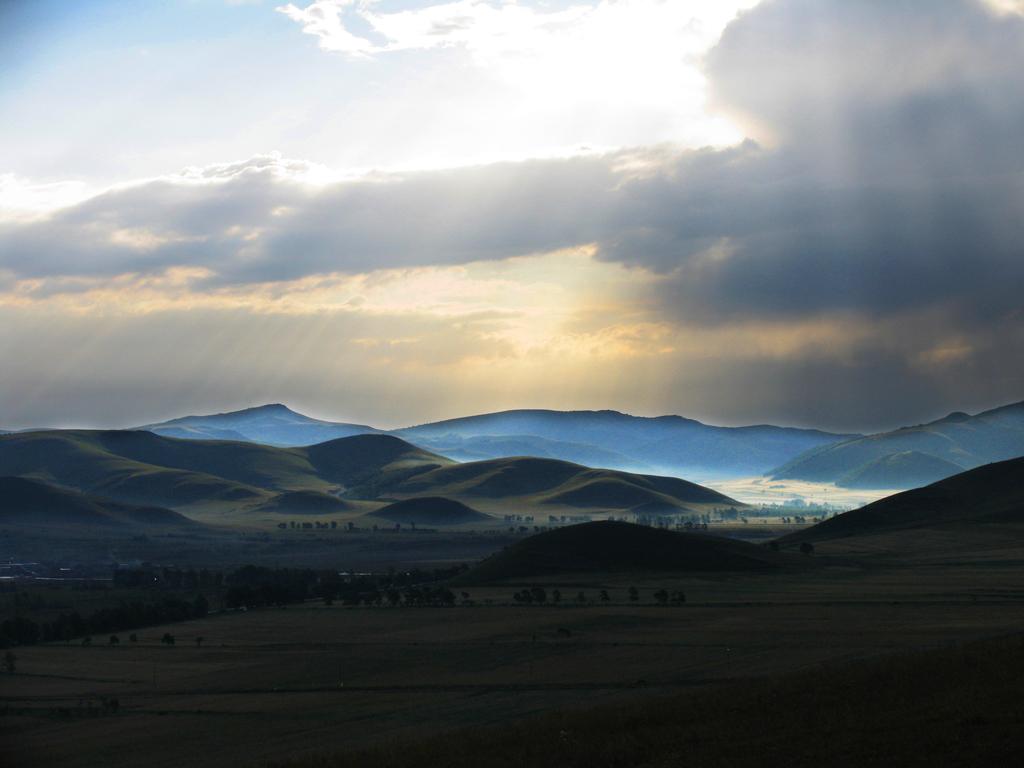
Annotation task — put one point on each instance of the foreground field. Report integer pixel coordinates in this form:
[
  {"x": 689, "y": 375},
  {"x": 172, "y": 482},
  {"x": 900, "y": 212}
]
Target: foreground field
[
  {"x": 950, "y": 707},
  {"x": 279, "y": 684}
]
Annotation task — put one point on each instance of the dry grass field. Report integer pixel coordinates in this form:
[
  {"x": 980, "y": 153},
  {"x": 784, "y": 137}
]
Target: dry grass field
[{"x": 284, "y": 683}]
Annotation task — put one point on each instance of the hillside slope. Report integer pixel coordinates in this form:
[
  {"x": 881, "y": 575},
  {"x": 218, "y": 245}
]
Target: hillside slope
[
  {"x": 31, "y": 502},
  {"x": 937, "y": 449},
  {"x": 992, "y": 494},
  {"x": 613, "y": 546}
]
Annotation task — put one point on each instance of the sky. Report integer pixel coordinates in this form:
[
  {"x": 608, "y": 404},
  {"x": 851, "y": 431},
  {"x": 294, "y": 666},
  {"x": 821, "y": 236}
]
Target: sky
[{"x": 805, "y": 212}]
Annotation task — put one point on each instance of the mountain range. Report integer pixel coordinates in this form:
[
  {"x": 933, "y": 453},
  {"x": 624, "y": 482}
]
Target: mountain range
[
  {"x": 664, "y": 445},
  {"x": 609, "y": 439},
  {"x": 917, "y": 455}
]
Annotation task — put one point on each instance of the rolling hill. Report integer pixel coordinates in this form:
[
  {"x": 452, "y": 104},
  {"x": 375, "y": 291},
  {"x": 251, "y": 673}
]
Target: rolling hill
[
  {"x": 142, "y": 467},
  {"x": 31, "y": 502},
  {"x": 430, "y": 510},
  {"x": 667, "y": 444},
  {"x": 607, "y": 547},
  {"x": 991, "y": 494},
  {"x": 273, "y": 424},
  {"x": 482, "y": 447},
  {"x": 304, "y": 503},
  {"x": 909, "y": 456},
  {"x": 531, "y": 481}
]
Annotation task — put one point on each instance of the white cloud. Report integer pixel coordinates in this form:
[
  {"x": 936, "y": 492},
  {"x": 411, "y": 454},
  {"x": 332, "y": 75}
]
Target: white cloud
[
  {"x": 323, "y": 19},
  {"x": 608, "y": 61}
]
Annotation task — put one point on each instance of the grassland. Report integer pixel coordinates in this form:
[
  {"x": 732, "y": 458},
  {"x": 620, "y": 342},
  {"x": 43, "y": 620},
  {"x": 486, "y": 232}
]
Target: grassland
[
  {"x": 279, "y": 684},
  {"x": 949, "y": 707}
]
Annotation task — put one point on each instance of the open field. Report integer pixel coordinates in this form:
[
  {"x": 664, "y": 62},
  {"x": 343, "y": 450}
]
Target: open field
[
  {"x": 761, "y": 489},
  {"x": 962, "y": 706},
  {"x": 278, "y": 683}
]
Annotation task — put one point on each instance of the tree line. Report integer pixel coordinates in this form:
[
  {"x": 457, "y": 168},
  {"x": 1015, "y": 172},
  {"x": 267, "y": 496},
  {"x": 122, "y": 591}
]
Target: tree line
[{"x": 21, "y": 630}]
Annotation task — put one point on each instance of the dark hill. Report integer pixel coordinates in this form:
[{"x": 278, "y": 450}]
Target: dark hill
[
  {"x": 24, "y": 501},
  {"x": 614, "y": 546},
  {"x": 952, "y": 444},
  {"x": 532, "y": 480},
  {"x": 990, "y": 494},
  {"x": 430, "y": 510}
]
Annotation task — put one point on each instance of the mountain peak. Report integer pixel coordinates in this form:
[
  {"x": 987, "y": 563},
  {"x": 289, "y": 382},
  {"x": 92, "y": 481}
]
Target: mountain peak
[{"x": 268, "y": 408}]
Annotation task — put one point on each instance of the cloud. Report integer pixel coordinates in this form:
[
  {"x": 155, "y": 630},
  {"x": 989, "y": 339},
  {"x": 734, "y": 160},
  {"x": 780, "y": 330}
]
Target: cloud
[
  {"x": 592, "y": 69},
  {"x": 323, "y": 20},
  {"x": 864, "y": 246}
]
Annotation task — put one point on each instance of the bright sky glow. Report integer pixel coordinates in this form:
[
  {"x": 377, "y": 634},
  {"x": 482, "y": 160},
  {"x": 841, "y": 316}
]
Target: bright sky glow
[{"x": 351, "y": 86}]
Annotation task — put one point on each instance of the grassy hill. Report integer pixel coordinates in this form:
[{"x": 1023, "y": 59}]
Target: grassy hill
[
  {"x": 31, "y": 502},
  {"x": 273, "y": 424},
  {"x": 304, "y": 503},
  {"x": 620, "y": 441},
  {"x": 614, "y": 546},
  {"x": 483, "y": 447},
  {"x": 548, "y": 481},
  {"x": 992, "y": 494},
  {"x": 430, "y": 510},
  {"x": 905, "y": 457},
  {"x": 142, "y": 467}
]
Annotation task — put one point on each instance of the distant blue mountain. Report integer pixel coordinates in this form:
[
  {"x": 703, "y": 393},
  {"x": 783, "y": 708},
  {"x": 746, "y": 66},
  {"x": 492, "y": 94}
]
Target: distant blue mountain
[
  {"x": 913, "y": 456},
  {"x": 609, "y": 439},
  {"x": 662, "y": 444},
  {"x": 273, "y": 424}
]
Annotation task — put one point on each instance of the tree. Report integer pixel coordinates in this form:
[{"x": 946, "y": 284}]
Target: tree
[
  {"x": 556, "y": 596},
  {"x": 538, "y": 594},
  {"x": 604, "y": 596},
  {"x": 661, "y": 596},
  {"x": 10, "y": 662},
  {"x": 86, "y": 642},
  {"x": 199, "y": 640},
  {"x": 807, "y": 548},
  {"x": 167, "y": 639},
  {"x": 580, "y": 597},
  {"x": 634, "y": 595},
  {"x": 115, "y": 640},
  {"x": 133, "y": 637}
]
